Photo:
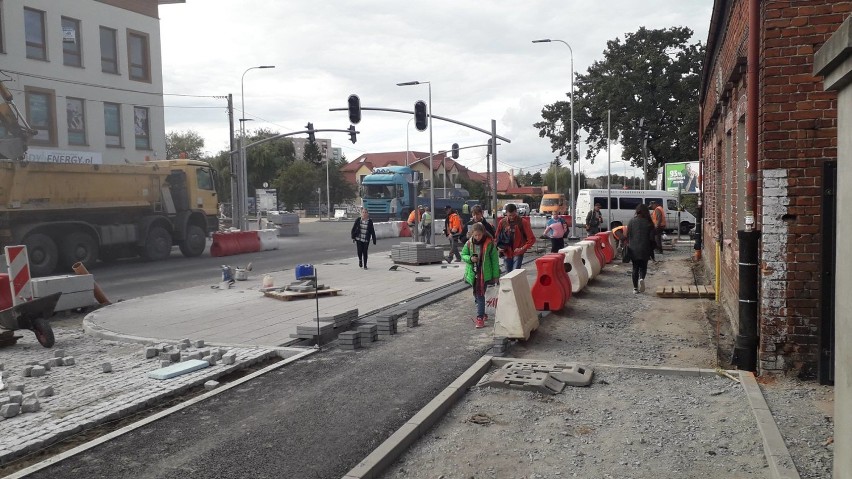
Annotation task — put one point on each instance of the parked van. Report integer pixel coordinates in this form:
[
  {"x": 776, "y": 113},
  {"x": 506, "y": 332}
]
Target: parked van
[
  {"x": 623, "y": 207},
  {"x": 554, "y": 204},
  {"x": 523, "y": 208}
]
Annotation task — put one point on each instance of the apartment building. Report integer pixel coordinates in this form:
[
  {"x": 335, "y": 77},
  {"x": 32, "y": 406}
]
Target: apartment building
[{"x": 87, "y": 74}]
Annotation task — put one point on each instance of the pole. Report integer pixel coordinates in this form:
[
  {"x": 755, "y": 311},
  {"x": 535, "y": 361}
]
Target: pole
[
  {"x": 327, "y": 188},
  {"x": 431, "y": 168},
  {"x": 233, "y": 160},
  {"x": 243, "y": 179},
  {"x": 608, "y": 170},
  {"x": 494, "y": 167},
  {"x": 319, "y": 202},
  {"x": 407, "y": 148},
  {"x": 573, "y": 179}
]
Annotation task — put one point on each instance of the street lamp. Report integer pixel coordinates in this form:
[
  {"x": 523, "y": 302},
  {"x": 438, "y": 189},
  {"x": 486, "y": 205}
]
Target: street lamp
[
  {"x": 407, "y": 148},
  {"x": 243, "y": 170},
  {"x": 431, "y": 171},
  {"x": 573, "y": 178}
]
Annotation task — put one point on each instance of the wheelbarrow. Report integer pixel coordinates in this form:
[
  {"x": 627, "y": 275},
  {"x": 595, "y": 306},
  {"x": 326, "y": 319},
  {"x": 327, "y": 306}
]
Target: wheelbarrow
[{"x": 33, "y": 315}]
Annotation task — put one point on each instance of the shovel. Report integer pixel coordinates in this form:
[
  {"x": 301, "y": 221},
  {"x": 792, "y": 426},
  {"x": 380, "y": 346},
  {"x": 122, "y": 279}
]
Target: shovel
[{"x": 396, "y": 267}]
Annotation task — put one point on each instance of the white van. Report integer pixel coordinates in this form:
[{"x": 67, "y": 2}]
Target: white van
[{"x": 624, "y": 203}]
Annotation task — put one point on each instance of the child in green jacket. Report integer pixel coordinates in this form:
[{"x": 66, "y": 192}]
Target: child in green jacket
[{"x": 482, "y": 267}]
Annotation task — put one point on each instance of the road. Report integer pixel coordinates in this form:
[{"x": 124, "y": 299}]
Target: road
[{"x": 317, "y": 242}]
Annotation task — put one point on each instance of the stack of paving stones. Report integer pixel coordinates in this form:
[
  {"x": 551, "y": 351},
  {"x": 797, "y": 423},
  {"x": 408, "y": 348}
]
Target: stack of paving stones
[
  {"x": 386, "y": 324},
  {"x": 51, "y": 396},
  {"x": 500, "y": 347},
  {"x": 368, "y": 333},
  {"x": 341, "y": 320},
  {"x": 350, "y": 340},
  {"x": 415, "y": 253},
  {"x": 412, "y": 317},
  {"x": 322, "y": 334}
]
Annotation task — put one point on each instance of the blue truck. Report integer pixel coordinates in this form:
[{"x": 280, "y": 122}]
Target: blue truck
[{"x": 390, "y": 193}]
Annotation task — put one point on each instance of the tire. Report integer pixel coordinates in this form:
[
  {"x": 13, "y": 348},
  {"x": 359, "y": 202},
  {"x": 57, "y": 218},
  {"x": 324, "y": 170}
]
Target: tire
[
  {"x": 79, "y": 247},
  {"x": 43, "y": 332},
  {"x": 684, "y": 228},
  {"x": 43, "y": 254},
  {"x": 194, "y": 243},
  {"x": 158, "y": 244}
]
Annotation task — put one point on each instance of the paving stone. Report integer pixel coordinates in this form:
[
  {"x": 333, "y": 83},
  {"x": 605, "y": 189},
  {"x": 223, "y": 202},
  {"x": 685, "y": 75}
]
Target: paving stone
[
  {"x": 199, "y": 343},
  {"x": 15, "y": 387},
  {"x": 106, "y": 367},
  {"x": 165, "y": 362},
  {"x": 69, "y": 361},
  {"x": 58, "y": 353},
  {"x": 38, "y": 371},
  {"x": 173, "y": 356},
  {"x": 58, "y": 361},
  {"x": 185, "y": 341},
  {"x": 205, "y": 352},
  {"x": 229, "y": 358},
  {"x": 31, "y": 405},
  {"x": 10, "y": 410},
  {"x": 4, "y": 400},
  {"x": 210, "y": 360},
  {"x": 52, "y": 363},
  {"x": 27, "y": 371},
  {"x": 183, "y": 346},
  {"x": 45, "y": 391},
  {"x": 2, "y": 366},
  {"x": 5, "y": 374},
  {"x": 16, "y": 397},
  {"x": 151, "y": 352},
  {"x": 211, "y": 385},
  {"x": 195, "y": 355}
]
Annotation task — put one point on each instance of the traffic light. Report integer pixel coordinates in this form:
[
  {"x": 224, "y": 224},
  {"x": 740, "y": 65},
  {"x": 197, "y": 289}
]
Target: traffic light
[
  {"x": 421, "y": 118},
  {"x": 455, "y": 151},
  {"x": 354, "y": 110},
  {"x": 311, "y": 137},
  {"x": 490, "y": 152},
  {"x": 352, "y": 133}
]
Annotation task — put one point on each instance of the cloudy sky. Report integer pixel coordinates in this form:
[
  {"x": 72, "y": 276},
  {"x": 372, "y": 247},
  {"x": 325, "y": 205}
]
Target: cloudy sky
[{"x": 477, "y": 55}]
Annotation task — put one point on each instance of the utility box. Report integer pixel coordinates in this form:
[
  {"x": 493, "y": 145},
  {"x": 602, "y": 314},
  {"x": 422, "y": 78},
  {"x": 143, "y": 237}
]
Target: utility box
[{"x": 78, "y": 290}]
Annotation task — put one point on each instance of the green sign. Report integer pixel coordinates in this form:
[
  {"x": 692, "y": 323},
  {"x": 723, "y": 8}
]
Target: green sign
[{"x": 682, "y": 176}]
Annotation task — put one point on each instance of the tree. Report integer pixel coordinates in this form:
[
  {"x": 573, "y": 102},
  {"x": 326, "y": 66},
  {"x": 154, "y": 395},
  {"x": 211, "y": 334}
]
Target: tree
[
  {"x": 651, "y": 74},
  {"x": 475, "y": 189},
  {"x": 341, "y": 190},
  {"x": 297, "y": 183},
  {"x": 265, "y": 161},
  {"x": 188, "y": 144},
  {"x": 537, "y": 179}
]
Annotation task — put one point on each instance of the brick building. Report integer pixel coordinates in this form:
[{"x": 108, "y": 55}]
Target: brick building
[{"x": 791, "y": 200}]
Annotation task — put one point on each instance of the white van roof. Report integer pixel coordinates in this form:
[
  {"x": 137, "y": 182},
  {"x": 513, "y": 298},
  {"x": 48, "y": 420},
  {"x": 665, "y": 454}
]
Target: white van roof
[{"x": 617, "y": 193}]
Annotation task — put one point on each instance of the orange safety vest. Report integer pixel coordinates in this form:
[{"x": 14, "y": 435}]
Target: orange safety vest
[
  {"x": 659, "y": 217},
  {"x": 414, "y": 217}
]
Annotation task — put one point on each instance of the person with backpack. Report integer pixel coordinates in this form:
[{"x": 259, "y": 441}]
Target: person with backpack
[
  {"x": 477, "y": 216},
  {"x": 514, "y": 238},
  {"x": 453, "y": 231},
  {"x": 658, "y": 216},
  {"x": 594, "y": 220},
  {"x": 640, "y": 234},
  {"x": 482, "y": 267},
  {"x": 556, "y": 229}
]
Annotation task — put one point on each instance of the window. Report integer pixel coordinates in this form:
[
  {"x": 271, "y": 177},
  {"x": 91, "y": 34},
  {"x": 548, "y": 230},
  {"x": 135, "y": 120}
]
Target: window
[
  {"x": 138, "y": 59},
  {"x": 602, "y": 201},
  {"x": 41, "y": 115},
  {"x": 629, "y": 203},
  {"x": 648, "y": 201},
  {"x": 72, "y": 50},
  {"x": 109, "y": 51},
  {"x": 112, "y": 124},
  {"x": 34, "y": 33},
  {"x": 140, "y": 122},
  {"x": 204, "y": 179},
  {"x": 74, "y": 108},
  {"x": 672, "y": 205}
]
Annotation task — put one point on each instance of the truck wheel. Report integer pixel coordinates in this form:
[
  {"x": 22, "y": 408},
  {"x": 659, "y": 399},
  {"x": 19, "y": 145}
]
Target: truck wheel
[
  {"x": 79, "y": 247},
  {"x": 684, "y": 228},
  {"x": 43, "y": 332},
  {"x": 43, "y": 254},
  {"x": 194, "y": 243},
  {"x": 158, "y": 244}
]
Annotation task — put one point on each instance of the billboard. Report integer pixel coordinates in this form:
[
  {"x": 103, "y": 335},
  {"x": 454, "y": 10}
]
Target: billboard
[{"x": 681, "y": 176}]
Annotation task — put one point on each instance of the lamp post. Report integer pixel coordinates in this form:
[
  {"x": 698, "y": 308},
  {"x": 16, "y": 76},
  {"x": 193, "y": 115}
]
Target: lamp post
[
  {"x": 407, "y": 148},
  {"x": 573, "y": 177},
  {"x": 431, "y": 171},
  {"x": 243, "y": 170}
]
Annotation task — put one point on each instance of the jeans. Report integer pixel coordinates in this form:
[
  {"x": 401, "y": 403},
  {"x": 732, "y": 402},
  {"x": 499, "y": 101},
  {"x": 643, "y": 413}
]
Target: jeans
[
  {"x": 556, "y": 244},
  {"x": 640, "y": 268},
  {"x": 427, "y": 234},
  {"x": 513, "y": 263},
  {"x": 454, "y": 248},
  {"x": 362, "y": 251},
  {"x": 480, "y": 303}
]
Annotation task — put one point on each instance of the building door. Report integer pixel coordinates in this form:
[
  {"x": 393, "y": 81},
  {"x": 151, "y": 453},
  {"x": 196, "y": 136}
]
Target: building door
[{"x": 829, "y": 240}]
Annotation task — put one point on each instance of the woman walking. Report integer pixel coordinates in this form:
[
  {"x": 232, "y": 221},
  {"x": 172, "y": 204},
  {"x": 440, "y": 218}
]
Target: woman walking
[
  {"x": 362, "y": 231},
  {"x": 640, "y": 235}
]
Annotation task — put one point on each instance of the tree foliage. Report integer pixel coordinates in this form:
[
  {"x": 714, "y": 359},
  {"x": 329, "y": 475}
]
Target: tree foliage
[
  {"x": 651, "y": 74},
  {"x": 187, "y": 143}
]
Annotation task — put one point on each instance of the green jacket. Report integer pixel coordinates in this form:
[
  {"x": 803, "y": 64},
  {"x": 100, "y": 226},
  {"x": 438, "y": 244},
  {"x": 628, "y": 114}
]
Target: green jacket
[{"x": 489, "y": 262}]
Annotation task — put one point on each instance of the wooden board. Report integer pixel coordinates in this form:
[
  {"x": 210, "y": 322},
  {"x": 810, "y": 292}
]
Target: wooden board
[
  {"x": 686, "y": 291},
  {"x": 291, "y": 295}
]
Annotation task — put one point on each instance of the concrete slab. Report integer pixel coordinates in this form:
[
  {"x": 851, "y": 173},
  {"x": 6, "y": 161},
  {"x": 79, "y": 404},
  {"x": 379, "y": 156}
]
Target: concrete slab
[{"x": 175, "y": 370}]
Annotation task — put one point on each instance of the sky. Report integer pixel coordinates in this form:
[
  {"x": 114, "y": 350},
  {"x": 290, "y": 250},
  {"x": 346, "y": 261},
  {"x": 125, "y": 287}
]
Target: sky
[{"x": 477, "y": 55}]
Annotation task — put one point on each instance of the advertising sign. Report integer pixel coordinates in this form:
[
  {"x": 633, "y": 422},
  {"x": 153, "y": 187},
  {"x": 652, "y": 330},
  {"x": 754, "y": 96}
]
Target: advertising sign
[
  {"x": 267, "y": 199},
  {"x": 64, "y": 156},
  {"x": 682, "y": 176}
]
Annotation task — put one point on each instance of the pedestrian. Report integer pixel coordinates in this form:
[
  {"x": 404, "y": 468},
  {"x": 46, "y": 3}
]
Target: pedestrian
[
  {"x": 414, "y": 219},
  {"x": 514, "y": 238},
  {"x": 477, "y": 216},
  {"x": 556, "y": 229},
  {"x": 594, "y": 220},
  {"x": 640, "y": 232},
  {"x": 658, "y": 216},
  {"x": 426, "y": 225},
  {"x": 453, "y": 232},
  {"x": 482, "y": 268},
  {"x": 362, "y": 232}
]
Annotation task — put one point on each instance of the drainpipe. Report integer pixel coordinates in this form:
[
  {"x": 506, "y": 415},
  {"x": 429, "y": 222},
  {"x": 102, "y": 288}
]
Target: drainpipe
[
  {"x": 746, "y": 344},
  {"x": 699, "y": 216}
]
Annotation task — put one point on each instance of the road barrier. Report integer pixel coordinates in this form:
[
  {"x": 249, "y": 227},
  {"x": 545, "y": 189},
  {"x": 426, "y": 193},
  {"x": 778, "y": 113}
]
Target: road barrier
[
  {"x": 552, "y": 288},
  {"x": 575, "y": 268}
]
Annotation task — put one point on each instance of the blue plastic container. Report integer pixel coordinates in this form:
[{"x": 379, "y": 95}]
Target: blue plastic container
[{"x": 304, "y": 271}]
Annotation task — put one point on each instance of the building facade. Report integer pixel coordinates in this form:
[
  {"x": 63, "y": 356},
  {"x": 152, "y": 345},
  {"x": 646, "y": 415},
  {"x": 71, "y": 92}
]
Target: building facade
[
  {"x": 87, "y": 75},
  {"x": 794, "y": 145}
]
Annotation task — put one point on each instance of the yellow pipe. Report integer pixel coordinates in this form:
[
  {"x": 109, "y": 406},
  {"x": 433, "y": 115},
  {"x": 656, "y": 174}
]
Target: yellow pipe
[
  {"x": 80, "y": 268},
  {"x": 718, "y": 269}
]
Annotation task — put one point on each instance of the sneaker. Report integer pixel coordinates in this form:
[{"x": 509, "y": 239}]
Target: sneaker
[
  {"x": 479, "y": 322},
  {"x": 360, "y": 265},
  {"x": 365, "y": 266},
  {"x": 449, "y": 260},
  {"x": 642, "y": 285},
  {"x": 635, "y": 291}
]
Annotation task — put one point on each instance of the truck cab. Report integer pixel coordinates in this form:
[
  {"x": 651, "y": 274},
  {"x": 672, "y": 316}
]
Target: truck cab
[{"x": 388, "y": 193}]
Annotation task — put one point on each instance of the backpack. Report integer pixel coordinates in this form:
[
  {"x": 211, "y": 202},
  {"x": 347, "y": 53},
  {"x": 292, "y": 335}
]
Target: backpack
[{"x": 506, "y": 236}]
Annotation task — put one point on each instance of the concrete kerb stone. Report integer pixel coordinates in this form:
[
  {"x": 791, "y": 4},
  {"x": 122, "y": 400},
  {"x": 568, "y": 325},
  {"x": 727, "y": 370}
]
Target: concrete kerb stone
[{"x": 108, "y": 437}]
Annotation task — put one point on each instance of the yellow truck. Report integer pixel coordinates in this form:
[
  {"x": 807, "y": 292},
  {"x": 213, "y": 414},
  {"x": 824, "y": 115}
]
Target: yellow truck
[{"x": 69, "y": 213}]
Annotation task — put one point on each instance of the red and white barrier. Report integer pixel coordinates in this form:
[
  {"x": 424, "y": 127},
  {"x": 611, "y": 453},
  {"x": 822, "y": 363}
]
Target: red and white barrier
[{"x": 19, "y": 273}]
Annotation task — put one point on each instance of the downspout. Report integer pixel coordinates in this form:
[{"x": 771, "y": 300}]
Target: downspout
[
  {"x": 746, "y": 344},
  {"x": 699, "y": 216}
]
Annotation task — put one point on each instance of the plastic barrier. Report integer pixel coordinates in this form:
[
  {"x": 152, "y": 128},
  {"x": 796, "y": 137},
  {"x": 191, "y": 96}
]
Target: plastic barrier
[
  {"x": 404, "y": 229},
  {"x": 552, "y": 288},
  {"x": 516, "y": 317},
  {"x": 5, "y": 292},
  {"x": 568, "y": 219},
  {"x": 575, "y": 268},
  {"x": 248, "y": 241},
  {"x": 268, "y": 239},
  {"x": 590, "y": 259},
  {"x": 235, "y": 242},
  {"x": 598, "y": 249},
  {"x": 608, "y": 250}
]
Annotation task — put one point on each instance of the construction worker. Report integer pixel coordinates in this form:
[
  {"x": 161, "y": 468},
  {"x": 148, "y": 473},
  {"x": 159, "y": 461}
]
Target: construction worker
[
  {"x": 658, "y": 216},
  {"x": 453, "y": 231},
  {"x": 620, "y": 235},
  {"x": 427, "y": 225},
  {"x": 414, "y": 221}
]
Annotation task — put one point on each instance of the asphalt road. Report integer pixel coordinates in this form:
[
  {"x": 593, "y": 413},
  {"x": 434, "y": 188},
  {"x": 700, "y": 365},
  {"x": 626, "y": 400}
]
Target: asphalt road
[{"x": 317, "y": 242}]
